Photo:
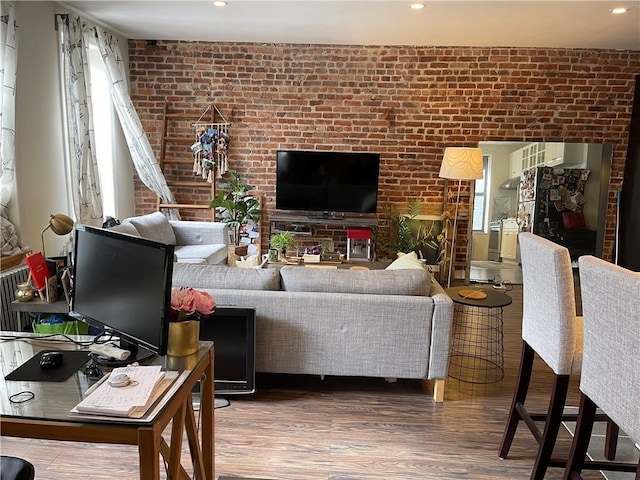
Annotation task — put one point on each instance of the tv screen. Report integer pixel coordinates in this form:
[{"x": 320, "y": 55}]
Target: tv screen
[
  {"x": 122, "y": 283},
  {"x": 344, "y": 182},
  {"x": 232, "y": 330}
]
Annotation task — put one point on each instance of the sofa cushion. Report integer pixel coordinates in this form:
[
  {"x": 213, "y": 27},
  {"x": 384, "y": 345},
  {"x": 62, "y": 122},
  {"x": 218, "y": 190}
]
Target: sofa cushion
[
  {"x": 154, "y": 226},
  {"x": 377, "y": 282},
  {"x": 212, "y": 254},
  {"x": 220, "y": 276},
  {"x": 127, "y": 228},
  {"x": 406, "y": 260}
]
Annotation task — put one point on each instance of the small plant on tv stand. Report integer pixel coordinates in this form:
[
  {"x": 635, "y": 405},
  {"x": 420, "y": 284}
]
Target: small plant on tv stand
[{"x": 283, "y": 241}]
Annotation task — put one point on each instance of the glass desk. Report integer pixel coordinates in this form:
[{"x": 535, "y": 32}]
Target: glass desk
[{"x": 47, "y": 415}]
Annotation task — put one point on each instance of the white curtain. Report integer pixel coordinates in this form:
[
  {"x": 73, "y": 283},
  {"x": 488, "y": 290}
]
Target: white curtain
[
  {"x": 143, "y": 158},
  {"x": 80, "y": 33},
  {"x": 85, "y": 180},
  {"x": 8, "y": 61}
]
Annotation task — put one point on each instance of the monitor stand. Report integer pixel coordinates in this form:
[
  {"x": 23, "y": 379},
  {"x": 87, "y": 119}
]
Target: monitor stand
[
  {"x": 138, "y": 355},
  {"x": 218, "y": 401}
]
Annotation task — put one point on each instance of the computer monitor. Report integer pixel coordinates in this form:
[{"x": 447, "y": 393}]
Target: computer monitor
[
  {"x": 122, "y": 283},
  {"x": 232, "y": 330}
]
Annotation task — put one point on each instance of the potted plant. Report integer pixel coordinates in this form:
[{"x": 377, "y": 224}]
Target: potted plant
[
  {"x": 188, "y": 306},
  {"x": 408, "y": 234},
  {"x": 283, "y": 241},
  {"x": 234, "y": 204}
]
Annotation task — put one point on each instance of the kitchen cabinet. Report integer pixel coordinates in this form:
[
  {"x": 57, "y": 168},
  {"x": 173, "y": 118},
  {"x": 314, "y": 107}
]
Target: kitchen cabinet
[
  {"x": 554, "y": 154},
  {"x": 569, "y": 155},
  {"x": 515, "y": 163},
  {"x": 509, "y": 242},
  {"x": 529, "y": 156}
]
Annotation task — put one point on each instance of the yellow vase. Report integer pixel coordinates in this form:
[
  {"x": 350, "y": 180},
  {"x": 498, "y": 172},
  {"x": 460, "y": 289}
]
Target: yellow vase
[{"x": 183, "y": 338}]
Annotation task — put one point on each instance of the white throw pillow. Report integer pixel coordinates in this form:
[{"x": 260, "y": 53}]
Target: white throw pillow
[{"x": 406, "y": 260}]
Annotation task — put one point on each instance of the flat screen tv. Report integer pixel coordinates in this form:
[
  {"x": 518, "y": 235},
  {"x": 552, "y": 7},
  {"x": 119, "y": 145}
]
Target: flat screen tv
[
  {"x": 122, "y": 284},
  {"x": 327, "y": 182},
  {"x": 232, "y": 330}
]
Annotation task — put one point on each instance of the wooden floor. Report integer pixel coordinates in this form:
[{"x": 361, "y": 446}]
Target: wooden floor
[{"x": 305, "y": 428}]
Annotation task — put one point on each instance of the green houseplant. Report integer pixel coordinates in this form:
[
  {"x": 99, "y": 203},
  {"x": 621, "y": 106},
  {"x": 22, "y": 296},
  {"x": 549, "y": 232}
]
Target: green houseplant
[
  {"x": 407, "y": 234},
  {"x": 234, "y": 204},
  {"x": 283, "y": 241}
]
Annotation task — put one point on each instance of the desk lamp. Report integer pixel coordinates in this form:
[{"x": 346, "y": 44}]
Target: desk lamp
[
  {"x": 460, "y": 163},
  {"x": 60, "y": 224}
]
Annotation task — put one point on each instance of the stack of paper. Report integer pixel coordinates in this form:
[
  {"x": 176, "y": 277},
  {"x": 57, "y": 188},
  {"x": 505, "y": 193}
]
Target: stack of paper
[{"x": 132, "y": 400}]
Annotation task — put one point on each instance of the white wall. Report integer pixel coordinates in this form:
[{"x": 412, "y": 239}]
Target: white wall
[
  {"x": 40, "y": 172},
  {"x": 40, "y": 187}
]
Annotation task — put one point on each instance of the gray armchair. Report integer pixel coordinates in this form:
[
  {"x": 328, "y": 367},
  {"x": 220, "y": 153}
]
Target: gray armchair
[
  {"x": 611, "y": 367},
  {"x": 195, "y": 242}
]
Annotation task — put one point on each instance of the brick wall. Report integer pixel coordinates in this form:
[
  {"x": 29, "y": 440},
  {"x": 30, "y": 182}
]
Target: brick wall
[{"x": 406, "y": 103}]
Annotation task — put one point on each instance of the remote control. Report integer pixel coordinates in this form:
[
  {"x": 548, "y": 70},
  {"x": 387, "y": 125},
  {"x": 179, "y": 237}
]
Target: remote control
[{"x": 109, "y": 350}]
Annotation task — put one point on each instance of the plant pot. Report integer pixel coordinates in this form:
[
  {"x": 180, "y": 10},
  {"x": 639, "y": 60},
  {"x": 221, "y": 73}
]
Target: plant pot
[{"x": 183, "y": 338}]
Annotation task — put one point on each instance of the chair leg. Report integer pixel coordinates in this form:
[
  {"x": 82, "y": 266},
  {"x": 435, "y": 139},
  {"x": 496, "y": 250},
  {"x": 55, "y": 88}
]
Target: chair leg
[
  {"x": 584, "y": 426},
  {"x": 520, "y": 395},
  {"x": 551, "y": 426},
  {"x": 611, "y": 440}
]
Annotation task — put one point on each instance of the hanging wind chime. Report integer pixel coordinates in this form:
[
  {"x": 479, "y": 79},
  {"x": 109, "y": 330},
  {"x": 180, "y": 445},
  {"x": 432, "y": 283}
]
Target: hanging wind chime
[{"x": 210, "y": 150}]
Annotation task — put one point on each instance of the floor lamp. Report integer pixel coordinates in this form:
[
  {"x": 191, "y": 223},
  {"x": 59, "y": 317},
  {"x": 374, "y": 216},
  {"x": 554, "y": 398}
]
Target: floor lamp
[{"x": 460, "y": 163}]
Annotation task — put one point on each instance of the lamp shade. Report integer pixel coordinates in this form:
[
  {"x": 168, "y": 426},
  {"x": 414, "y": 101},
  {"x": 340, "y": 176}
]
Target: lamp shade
[
  {"x": 61, "y": 224},
  {"x": 461, "y": 163}
]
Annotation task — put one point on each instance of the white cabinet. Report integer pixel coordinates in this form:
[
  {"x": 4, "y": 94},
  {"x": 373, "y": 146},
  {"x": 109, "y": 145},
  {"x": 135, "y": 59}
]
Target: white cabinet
[
  {"x": 554, "y": 154},
  {"x": 515, "y": 160},
  {"x": 569, "y": 155},
  {"x": 532, "y": 155},
  {"x": 509, "y": 241}
]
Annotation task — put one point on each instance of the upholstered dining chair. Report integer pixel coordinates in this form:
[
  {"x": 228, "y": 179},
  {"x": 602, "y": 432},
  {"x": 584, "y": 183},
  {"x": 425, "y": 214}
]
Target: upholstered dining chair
[
  {"x": 610, "y": 377},
  {"x": 552, "y": 330}
]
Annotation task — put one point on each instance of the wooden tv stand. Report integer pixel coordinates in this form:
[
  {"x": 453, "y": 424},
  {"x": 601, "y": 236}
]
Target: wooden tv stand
[{"x": 306, "y": 225}]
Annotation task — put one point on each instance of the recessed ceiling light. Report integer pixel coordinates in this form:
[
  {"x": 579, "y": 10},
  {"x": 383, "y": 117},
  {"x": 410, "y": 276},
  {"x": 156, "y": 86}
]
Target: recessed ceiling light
[
  {"x": 219, "y": 3},
  {"x": 417, "y": 6},
  {"x": 619, "y": 10}
]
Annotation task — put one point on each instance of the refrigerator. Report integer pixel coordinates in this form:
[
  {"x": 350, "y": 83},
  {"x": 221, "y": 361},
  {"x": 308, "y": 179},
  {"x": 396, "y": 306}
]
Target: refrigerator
[{"x": 545, "y": 193}]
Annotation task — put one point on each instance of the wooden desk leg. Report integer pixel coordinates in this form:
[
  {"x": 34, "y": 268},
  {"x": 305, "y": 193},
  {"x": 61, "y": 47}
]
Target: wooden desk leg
[
  {"x": 175, "y": 451},
  {"x": 207, "y": 420},
  {"x": 149, "y": 452},
  {"x": 194, "y": 444}
]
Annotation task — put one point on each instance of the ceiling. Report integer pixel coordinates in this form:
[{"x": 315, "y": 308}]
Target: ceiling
[{"x": 568, "y": 23}]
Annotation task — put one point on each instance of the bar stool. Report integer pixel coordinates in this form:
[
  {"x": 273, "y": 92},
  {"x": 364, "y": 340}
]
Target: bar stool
[
  {"x": 550, "y": 329},
  {"x": 611, "y": 367},
  {"x": 14, "y": 468}
]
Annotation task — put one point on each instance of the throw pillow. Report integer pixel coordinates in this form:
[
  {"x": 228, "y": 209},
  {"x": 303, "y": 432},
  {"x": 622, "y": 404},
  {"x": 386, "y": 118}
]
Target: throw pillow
[
  {"x": 373, "y": 282},
  {"x": 571, "y": 220},
  {"x": 154, "y": 226},
  {"x": 223, "y": 277},
  {"x": 126, "y": 228},
  {"x": 406, "y": 260}
]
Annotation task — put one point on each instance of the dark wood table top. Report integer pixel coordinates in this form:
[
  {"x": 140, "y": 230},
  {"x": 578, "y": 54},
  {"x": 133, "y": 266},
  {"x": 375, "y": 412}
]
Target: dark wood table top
[{"x": 494, "y": 299}]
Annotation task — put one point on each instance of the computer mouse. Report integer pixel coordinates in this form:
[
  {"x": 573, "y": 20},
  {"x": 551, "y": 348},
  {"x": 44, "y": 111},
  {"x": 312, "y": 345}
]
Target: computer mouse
[{"x": 50, "y": 360}]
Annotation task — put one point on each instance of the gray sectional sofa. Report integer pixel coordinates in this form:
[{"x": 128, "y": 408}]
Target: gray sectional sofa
[
  {"x": 377, "y": 323},
  {"x": 195, "y": 242}
]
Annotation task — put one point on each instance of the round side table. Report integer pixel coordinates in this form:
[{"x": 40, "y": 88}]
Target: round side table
[{"x": 477, "y": 339}]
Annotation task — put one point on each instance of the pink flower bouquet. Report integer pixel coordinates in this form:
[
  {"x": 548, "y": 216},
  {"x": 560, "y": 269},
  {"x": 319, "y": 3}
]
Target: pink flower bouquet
[{"x": 190, "y": 304}]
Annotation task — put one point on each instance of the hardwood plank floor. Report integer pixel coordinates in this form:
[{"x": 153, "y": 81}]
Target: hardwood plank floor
[{"x": 305, "y": 428}]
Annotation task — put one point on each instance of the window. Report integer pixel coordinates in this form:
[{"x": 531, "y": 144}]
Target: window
[
  {"x": 480, "y": 198},
  {"x": 103, "y": 127},
  {"x": 103, "y": 130}
]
